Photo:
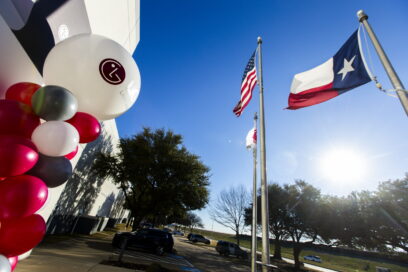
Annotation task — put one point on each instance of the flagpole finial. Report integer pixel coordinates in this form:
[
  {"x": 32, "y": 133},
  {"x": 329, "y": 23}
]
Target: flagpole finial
[
  {"x": 259, "y": 39},
  {"x": 361, "y": 15}
]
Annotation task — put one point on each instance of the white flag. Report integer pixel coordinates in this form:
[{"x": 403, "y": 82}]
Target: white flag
[{"x": 251, "y": 138}]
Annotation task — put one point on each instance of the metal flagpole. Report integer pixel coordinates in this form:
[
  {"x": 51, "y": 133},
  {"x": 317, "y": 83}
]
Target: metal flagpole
[
  {"x": 254, "y": 209},
  {"x": 264, "y": 186},
  {"x": 396, "y": 82}
]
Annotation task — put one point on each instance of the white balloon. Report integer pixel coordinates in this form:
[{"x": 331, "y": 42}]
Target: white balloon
[
  {"x": 4, "y": 264},
  {"x": 55, "y": 138},
  {"x": 98, "y": 71}
]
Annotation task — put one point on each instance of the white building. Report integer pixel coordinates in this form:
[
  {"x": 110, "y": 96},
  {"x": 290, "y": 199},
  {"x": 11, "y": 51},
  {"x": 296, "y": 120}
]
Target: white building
[{"x": 28, "y": 30}]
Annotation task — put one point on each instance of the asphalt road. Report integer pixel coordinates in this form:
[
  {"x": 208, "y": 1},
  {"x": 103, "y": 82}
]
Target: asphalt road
[{"x": 207, "y": 259}]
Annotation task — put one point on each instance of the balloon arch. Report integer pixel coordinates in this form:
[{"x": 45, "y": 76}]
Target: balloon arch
[{"x": 88, "y": 78}]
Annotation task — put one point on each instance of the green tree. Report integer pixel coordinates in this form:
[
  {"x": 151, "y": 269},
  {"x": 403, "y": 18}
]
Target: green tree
[
  {"x": 278, "y": 202},
  {"x": 391, "y": 202},
  {"x": 194, "y": 221},
  {"x": 158, "y": 175},
  {"x": 189, "y": 220},
  {"x": 379, "y": 220},
  {"x": 371, "y": 220},
  {"x": 303, "y": 216}
]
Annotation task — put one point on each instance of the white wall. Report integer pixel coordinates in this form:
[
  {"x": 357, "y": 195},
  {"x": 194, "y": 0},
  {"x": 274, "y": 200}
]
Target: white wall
[
  {"x": 115, "y": 19},
  {"x": 96, "y": 192}
]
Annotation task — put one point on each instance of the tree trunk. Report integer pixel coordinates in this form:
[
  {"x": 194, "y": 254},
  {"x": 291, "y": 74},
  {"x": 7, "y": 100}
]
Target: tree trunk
[
  {"x": 277, "y": 255},
  {"x": 129, "y": 219},
  {"x": 296, "y": 253},
  {"x": 128, "y": 222},
  {"x": 136, "y": 222},
  {"x": 237, "y": 236}
]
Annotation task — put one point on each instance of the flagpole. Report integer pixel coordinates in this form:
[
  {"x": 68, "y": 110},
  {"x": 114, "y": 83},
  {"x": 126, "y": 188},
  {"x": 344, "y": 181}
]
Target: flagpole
[
  {"x": 392, "y": 75},
  {"x": 264, "y": 186},
  {"x": 254, "y": 208}
]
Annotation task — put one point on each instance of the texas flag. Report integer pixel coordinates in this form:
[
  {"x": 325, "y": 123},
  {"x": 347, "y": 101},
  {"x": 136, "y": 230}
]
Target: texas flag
[
  {"x": 341, "y": 73},
  {"x": 251, "y": 138}
]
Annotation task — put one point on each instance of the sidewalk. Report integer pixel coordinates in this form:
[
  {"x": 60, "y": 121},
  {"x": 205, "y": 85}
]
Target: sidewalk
[{"x": 68, "y": 254}]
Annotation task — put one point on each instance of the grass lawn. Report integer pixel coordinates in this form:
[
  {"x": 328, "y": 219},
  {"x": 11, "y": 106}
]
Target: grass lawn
[{"x": 331, "y": 261}]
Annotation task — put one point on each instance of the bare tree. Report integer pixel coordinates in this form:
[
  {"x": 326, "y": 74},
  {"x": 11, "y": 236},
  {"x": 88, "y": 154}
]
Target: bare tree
[
  {"x": 229, "y": 209},
  {"x": 194, "y": 221}
]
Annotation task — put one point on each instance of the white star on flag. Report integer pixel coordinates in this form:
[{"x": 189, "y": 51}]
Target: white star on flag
[{"x": 346, "y": 68}]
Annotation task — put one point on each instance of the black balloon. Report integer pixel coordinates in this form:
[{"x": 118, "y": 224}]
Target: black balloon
[
  {"x": 54, "y": 171},
  {"x": 54, "y": 103}
]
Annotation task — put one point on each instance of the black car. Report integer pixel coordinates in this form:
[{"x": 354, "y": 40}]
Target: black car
[
  {"x": 198, "y": 238},
  {"x": 153, "y": 240},
  {"x": 228, "y": 248}
]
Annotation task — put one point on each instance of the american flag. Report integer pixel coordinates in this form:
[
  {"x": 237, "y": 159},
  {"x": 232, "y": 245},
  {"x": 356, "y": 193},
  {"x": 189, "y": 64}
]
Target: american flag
[{"x": 248, "y": 84}]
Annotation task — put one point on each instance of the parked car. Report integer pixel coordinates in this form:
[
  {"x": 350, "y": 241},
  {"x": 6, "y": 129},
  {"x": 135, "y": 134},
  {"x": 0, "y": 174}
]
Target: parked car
[
  {"x": 199, "y": 238},
  {"x": 167, "y": 230},
  {"x": 177, "y": 232},
  {"x": 313, "y": 258},
  {"x": 153, "y": 240},
  {"x": 146, "y": 225},
  {"x": 228, "y": 248}
]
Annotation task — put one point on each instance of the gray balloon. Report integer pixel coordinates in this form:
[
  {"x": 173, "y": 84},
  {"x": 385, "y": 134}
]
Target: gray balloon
[
  {"x": 54, "y": 103},
  {"x": 54, "y": 171},
  {"x": 4, "y": 264}
]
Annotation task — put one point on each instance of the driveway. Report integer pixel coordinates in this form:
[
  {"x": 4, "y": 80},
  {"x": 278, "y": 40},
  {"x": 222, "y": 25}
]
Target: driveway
[{"x": 207, "y": 259}]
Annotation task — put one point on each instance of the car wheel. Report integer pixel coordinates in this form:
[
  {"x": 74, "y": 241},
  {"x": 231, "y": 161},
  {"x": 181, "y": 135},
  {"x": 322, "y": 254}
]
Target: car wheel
[
  {"x": 226, "y": 254},
  {"x": 159, "y": 250},
  {"x": 194, "y": 241}
]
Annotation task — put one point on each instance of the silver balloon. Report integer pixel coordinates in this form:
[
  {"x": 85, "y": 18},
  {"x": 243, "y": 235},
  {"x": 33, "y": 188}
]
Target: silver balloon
[
  {"x": 4, "y": 264},
  {"x": 54, "y": 103}
]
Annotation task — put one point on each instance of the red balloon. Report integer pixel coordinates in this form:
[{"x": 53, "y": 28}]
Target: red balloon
[
  {"x": 16, "y": 139},
  {"x": 21, "y": 196},
  {"x": 20, "y": 235},
  {"x": 13, "y": 262},
  {"x": 88, "y": 126},
  {"x": 16, "y": 159},
  {"x": 22, "y": 92},
  {"x": 71, "y": 155},
  {"x": 17, "y": 118}
]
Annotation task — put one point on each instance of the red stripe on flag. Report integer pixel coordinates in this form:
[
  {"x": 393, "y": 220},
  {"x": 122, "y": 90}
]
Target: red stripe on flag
[
  {"x": 311, "y": 97},
  {"x": 247, "y": 78},
  {"x": 248, "y": 98},
  {"x": 248, "y": 90},
  {"x": 246, "y": 93}
]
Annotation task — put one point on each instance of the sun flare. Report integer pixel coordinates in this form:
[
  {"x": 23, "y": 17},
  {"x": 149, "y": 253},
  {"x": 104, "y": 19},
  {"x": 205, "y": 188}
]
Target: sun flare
[{"x": 342, "y": 165}]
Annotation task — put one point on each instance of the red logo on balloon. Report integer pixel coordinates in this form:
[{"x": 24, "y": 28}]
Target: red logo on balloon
[{"x": 112, "y": 71}]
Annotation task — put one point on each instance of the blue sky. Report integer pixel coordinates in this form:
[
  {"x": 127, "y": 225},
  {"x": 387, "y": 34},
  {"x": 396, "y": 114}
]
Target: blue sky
[{"x": 192, "y": 55}]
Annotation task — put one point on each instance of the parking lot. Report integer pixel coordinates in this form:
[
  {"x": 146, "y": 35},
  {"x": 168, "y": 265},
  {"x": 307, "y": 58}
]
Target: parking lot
[
  {"x": 146, "y": 257},
  {"x": 207, "y": 259}
]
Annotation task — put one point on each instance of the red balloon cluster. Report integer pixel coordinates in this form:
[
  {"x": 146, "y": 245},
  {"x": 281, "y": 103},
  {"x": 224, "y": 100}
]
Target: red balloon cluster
[{"x": 22, "y": 191}]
